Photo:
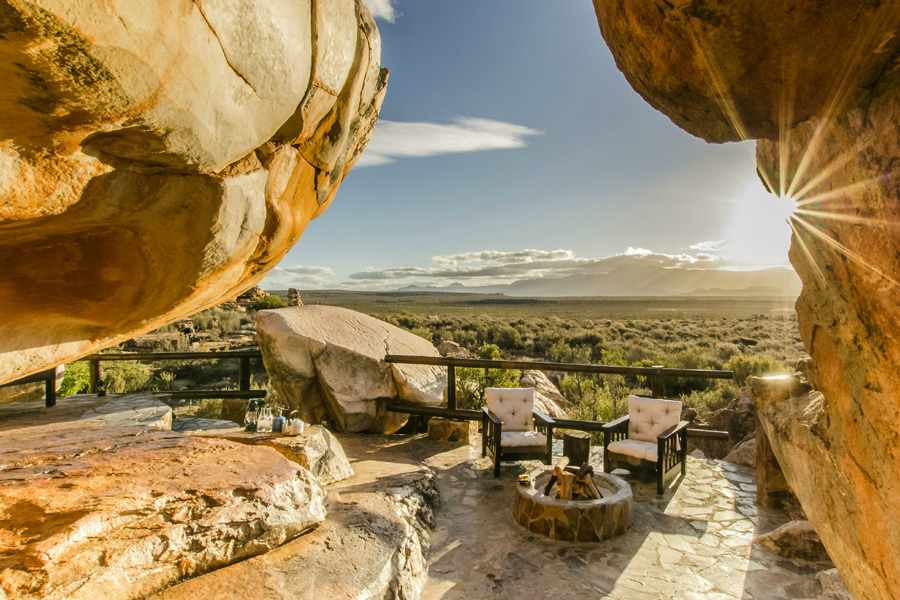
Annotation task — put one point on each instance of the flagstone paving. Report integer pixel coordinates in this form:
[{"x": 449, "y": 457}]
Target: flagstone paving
[{"x": 694, "y": 542}]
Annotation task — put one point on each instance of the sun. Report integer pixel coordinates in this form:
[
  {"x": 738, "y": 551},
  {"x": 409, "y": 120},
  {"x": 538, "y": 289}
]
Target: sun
[{"x": 760, "y": 231}]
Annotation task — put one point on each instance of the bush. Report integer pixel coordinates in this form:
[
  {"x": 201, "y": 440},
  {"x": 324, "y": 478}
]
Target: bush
[
  {"x": 76, "y": 378},
  {"x": 423, "y": 332},
  {"x": 472, "y": 381},
  {"x": 127, "y": 376},
  {"x": 268, "y": 302},
  {"x": 756, "y": 366}
]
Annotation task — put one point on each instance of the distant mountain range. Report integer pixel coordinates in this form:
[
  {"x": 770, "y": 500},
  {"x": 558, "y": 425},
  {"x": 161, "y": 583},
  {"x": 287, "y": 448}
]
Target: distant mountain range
[{"x": 645, "y": 280}]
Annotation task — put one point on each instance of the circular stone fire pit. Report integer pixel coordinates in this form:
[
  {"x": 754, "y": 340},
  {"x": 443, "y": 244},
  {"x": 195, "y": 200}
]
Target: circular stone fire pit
[{"x": 576, "y": 520}]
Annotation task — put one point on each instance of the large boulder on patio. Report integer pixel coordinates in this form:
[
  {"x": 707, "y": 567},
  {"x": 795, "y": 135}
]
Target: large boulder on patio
[
  {"x": 325, "y": 360},
  {"x": 157, "y": 157}
]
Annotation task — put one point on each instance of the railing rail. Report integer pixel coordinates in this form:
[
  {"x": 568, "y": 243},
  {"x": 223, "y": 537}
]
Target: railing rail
[
  {"x": 96, "y": 370},
  {"x": 654, "y": 375},
  {"x": 49, "y": 379}
]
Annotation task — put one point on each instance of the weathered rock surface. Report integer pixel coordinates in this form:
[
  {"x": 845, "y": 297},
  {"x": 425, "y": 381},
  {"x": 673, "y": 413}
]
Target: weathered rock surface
[
  {"x": 316, "y": 449},
  {"x": 112, "y": 410},
  {"x": 458, "y": 432},
  {"x": 833, "y": 587},
  {"x": 726, "y": 71},
  {"x": 373, "y": 544},
  {"x": 832, "y": 467},
  {"x": 743, "y": 454},
  {"x": 547, "y": 397},
  {"x": 157, "y": 157},
  {"x": 325, "y": 360},
  {"x": 92, "y": 512},
  {"x": 795, "y": 539}
]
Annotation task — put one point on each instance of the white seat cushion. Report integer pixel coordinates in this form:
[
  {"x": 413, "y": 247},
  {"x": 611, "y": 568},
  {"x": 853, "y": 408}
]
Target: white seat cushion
[
  {"x": 518, "y": 439},
  {"x": 513, "y": 406},
  {"x": 636, "y": 448},
  {"x": 649, "y": 417}
]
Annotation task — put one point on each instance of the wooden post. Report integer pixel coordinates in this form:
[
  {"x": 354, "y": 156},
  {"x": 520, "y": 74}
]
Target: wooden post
[
  {"x": 245, "y": 374},
  {"x": 95, "y": 372},
  {"x": 451, "y": 387},
  {"x": 50, "y": 388},
  {"x": 657, "y": 385},
  {"x": 577, "y": 447}
]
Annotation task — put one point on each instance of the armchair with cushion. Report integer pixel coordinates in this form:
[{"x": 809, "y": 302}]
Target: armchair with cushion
[
  {"x": 508, "y": 427},
  {"x": 651, "y": 436}
]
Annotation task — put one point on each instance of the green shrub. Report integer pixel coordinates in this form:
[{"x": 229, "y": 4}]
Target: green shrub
[
  {"x": 423, "y": 332},
  {"x": 756, "y": 366},
  {"x": 76, "y": 379},
  {"x": 268, "y": 302},
  {"x": 471, "y": 381},
  {"x": 126, "y": 376}
]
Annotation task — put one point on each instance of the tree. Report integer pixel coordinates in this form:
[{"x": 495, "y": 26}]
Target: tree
[{"x": 472, "y": 381}]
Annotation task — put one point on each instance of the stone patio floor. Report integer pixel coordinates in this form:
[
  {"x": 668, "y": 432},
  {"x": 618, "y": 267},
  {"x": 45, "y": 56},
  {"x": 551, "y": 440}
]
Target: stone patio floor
[{"x": 694, "y": 542}]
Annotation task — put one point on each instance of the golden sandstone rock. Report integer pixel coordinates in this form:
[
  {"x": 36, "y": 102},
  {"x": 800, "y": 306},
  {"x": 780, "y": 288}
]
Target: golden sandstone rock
[
  {"x": 157, "y": 157},
  {"x": 819, "y": 82}
]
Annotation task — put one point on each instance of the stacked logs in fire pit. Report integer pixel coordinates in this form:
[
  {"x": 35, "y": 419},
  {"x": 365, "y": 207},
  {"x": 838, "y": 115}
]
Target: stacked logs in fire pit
[{"x": 572, "y": 483}]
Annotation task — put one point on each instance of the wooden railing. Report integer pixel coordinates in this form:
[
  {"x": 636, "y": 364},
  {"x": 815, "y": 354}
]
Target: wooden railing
[
  {"x": 655, "y": 377},
  {"x": 49, "y": 379},
  {"x": 96, "y": 371}
]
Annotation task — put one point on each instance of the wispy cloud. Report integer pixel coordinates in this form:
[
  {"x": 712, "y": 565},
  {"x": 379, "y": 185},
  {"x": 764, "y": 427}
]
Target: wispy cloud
[
  {"x": 713, "y": 246},
  {"x": 382, "y": 9},
  {"x": 394, "y": 139},
  {"x": 523, "y": 256},
  {"x": 491, "y": 267},
  {"x": 299, "y": 277}
]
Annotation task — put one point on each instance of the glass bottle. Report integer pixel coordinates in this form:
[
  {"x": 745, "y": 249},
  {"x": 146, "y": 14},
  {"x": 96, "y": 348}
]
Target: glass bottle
[
  {"x": 277, "y": 420},
  {"x": 264, "y": 423}
]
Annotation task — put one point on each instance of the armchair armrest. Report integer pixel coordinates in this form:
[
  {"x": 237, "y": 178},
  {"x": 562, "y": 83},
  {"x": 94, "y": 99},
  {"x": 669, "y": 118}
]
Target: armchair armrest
[
  {"x": 490, "y": 415},
  {"x": 542, "y": 419},
  {"x": 671, "y": 431},
  {"x": 619, "y": 424}
]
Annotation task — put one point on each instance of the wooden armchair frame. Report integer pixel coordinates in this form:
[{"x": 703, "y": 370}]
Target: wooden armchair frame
[
  {"x": 669, "y": 457},
  {"x": 491, "y": 428}
]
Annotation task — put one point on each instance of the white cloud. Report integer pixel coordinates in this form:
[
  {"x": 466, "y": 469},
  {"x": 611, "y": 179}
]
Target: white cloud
[
  {"x": 523, "y": 256},
  {"x": 394, "y": 139},
  {"x": 491, "y": 267},
  {"x": 382, "y": 9},
  {"x": 710, "y": 246},
  {"x": 299, "y": 276}
]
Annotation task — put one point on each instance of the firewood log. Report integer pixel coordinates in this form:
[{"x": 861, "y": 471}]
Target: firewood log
[{"x": 564, "y": 486}]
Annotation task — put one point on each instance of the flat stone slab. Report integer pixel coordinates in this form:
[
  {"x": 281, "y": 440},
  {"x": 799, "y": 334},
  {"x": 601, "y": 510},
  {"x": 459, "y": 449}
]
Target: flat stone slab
[
  {"x": 104, "y": 511},
  {"x": 372, "y": 545},
  {"x": 192, "y": 424},
  {"x": 316, "y": 449},
  {"x": 113, "y": 410}
]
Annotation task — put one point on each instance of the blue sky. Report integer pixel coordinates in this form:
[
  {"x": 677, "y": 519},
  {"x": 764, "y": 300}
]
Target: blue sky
[{"x": 507, "y": 136}]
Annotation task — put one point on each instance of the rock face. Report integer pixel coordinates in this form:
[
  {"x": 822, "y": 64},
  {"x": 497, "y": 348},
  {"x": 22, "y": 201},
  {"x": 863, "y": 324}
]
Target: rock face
[
  {"x": 316, "y": 450},
  {"x": 325, "y": 360},
  {"x": 727, "y": 71},
  {"x": 372, "y": 546},
  {"x": 93, "y": 511},
  {"x": 834, "y": 474},
  {"x": 547, "y": 397},
  {"x": 819, "y": 81},
  {"x": 157, "y": 157}
]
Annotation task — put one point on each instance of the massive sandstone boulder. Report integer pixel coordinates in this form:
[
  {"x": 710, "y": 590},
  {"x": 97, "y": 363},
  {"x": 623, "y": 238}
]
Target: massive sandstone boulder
[
  {"x": 92, "y": 511},
  {"x": 727, "y": 71},
  {"x": 325, "y": 360},
  {"x": 156, "y": 157},
  {"x": 819, "y": 81}
]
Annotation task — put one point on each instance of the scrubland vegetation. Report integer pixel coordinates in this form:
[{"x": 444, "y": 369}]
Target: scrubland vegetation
[{"x": 748, "y": 336}]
